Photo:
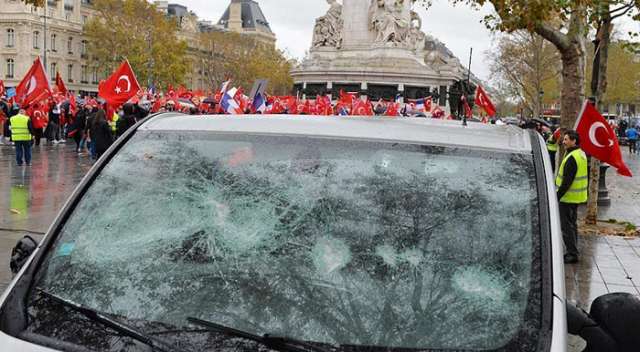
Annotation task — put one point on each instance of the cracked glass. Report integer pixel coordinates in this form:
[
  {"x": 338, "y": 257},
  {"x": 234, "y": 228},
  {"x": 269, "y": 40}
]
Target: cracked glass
[{"x": 343, "y": 243}]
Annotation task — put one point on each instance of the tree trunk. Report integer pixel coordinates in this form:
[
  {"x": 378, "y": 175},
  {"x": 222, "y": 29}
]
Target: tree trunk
[
  {"x": 573, "y": 77},
  {"x": 598, "y": 89}
]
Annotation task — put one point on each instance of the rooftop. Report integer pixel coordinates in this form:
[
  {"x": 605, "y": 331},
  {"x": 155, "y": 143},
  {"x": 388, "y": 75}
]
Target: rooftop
[
  {"x": 252, "y": 16},
  {"x": 406, "y": 130}
]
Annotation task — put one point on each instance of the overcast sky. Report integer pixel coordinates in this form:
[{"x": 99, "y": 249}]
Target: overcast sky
[{"x": 459, "y": 27}]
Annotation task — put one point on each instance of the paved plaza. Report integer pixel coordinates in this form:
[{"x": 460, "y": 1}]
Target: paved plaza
[{"x": 30, "y": 198}]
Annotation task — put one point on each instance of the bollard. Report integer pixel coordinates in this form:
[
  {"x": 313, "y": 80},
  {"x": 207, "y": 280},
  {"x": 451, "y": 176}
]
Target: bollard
[{"x": 603, "y": 192}]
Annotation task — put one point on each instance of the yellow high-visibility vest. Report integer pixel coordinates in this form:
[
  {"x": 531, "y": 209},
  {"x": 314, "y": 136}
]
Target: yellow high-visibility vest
[
  {"x": 578, "y": 192},
  {"x": 552, "y": 146},
  {"x": 20, "y": 128}
]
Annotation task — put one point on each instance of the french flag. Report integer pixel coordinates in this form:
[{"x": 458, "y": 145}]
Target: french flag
[
  {"x": 259, "y": 103},
  {"x": 229, "y": 104},
  {"x": 420, "y": 104}
]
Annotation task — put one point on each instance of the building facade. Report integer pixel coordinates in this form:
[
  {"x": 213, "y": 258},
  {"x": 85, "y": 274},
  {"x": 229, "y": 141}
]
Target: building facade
[
  {"x": 63, "y": 48},
  {"x": 241, "y": 16},
  {"x": 60, "y": 43}
]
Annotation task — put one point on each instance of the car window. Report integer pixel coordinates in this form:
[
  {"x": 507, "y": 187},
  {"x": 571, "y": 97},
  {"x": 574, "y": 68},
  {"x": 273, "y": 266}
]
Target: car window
[{"x": 358, "y": 243}]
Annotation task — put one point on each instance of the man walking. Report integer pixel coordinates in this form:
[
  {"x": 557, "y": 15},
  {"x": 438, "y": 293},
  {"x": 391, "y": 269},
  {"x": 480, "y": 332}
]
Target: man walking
[
  {"x": 632, "y": 139},
  {"x": 21, "y": 133},
  {"x": 573, "y": 183}
]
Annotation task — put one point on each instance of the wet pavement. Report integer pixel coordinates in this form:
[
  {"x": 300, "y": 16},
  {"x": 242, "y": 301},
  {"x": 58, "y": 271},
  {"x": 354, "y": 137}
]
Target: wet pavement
[{"x": 30, "y": 198}]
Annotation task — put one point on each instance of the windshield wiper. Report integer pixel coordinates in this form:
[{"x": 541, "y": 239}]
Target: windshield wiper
[
  {"x": 271, "y": 341},
  {"x": 123, "y": 329}
]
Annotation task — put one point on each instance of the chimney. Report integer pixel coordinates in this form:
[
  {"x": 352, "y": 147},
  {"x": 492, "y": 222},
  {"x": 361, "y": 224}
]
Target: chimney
[{"x": 235, "y": 16}]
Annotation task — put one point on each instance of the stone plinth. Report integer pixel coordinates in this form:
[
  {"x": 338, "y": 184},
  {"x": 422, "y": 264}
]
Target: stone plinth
[{"x": 379, "y": 47}]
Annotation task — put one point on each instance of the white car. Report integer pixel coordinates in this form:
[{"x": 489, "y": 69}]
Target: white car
[{"x": 287, "y": 233}]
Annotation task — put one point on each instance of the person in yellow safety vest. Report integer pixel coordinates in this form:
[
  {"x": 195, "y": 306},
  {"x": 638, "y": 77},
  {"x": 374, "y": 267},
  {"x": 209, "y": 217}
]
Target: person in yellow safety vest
[
  {"x": 114, "y": 123},
  {"x": 552, "y": 147},
  {"x": 21, "y": 134},
  {"x": 573, "y": 183}
]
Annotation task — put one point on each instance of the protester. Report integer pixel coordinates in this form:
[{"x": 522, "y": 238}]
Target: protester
[
  {"x": 21, "y": 134},
  {"x": 4, "y": 112},
  {"x": 39, "y": 121},
  {"x": 127, "y": 121},
  {"x": 572, "y": 182},
  {"x": 632, "y": 139},
  {"x": 76, "y": 130},
  {"x": 53, "y": 127},
  {"x": 101, "y": 134}
]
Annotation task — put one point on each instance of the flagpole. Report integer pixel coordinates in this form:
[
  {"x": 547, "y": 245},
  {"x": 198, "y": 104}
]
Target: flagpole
[
  {"x": 44, "y": 37},
  {"x": 464, "y": 118}
]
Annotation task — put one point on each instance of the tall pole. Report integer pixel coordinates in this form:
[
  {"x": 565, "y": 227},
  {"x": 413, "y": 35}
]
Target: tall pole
[
  {"x": 44, "y": 56},
  {"x": 464, "y": 119}
]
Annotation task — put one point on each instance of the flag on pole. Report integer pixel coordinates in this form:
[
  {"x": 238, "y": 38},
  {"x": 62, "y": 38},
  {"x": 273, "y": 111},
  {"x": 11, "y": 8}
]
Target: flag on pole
[
  {"x": 34, "y": 86},
  {"x": 229, "y": 104},
  {"x": 259, "y": 103},
  {"x": 62, "y": 89},
  {"x": 2, "y": 89},
  {"x": 483, "y": 101},
  {"x": 121, "y": 86},
  {"x": 598, "y": 139}
]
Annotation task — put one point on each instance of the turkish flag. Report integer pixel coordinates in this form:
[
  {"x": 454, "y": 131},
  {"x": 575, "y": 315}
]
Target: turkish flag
[
  {"x": 121, "y": 86},
  {"x": 393, "y": 109},
  {"x": 2, "y": 89},
  {"x": 34, "y": 86},
  {"x": 599, "y": 140},
  {"x": 62, "y": 89},
  {"x": 39, "y": 115},
  {"x": 483, "y": 101},
  {"x": 467, "y": 109},
  {"x": 362, "y": 108}
]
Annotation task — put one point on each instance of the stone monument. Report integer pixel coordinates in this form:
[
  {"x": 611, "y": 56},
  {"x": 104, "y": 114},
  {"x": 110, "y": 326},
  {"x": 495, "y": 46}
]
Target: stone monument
[{"x": 376, "y": 46}]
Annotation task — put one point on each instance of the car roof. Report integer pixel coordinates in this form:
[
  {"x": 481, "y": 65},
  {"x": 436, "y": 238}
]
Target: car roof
[{"x": 406, "y": 130}]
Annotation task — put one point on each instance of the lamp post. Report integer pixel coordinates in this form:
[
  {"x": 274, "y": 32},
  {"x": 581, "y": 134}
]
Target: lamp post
[{"x": 540, "y": 96}]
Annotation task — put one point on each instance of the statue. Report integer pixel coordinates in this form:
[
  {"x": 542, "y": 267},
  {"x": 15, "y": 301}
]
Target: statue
[
  {"x": 328, "y": 28},
  {"x": 417, "y": 38},
  {"x": 391, "y": 21}
]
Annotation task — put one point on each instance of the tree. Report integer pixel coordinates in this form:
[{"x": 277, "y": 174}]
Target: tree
[
  {"x": 135, "y": 30},
  {"x": 243, "y": 59},
  {"x": 525, "y": 65}
]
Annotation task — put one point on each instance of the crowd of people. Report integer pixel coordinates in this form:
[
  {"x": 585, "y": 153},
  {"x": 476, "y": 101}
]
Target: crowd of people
[{"x": 86, "y": 125}]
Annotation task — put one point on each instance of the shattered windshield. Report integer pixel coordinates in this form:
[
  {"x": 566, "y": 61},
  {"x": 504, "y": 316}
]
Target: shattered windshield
[{"x": 337, "y": 242}]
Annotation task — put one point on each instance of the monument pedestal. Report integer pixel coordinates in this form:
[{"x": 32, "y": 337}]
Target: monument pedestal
[{"x": 380, "y": 51}]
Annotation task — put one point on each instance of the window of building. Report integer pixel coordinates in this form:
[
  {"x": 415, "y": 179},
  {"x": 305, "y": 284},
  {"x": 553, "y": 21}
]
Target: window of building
[
  {"x": 10, "y": 68},
  {"x": 36, "y": 40},
  {"x": 70, "y": 73},
  {"x": 84, "y": 74},
  {"x": 11, "y": 38},
  {"x": 84, "y": 19},
  {"x": 94, "y": 75},
  {"x": 52, "y": 12},
  {"x": 53, "y": 70},
  {"x": 83, "y": 48},
  {"x": 54, "y": 38},
  {"x": 70, "y": 45},
  {"x": 67, "y": 15}
]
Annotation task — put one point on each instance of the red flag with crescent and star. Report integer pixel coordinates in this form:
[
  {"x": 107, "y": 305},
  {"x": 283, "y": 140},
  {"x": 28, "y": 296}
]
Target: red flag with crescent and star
[
  {"x": 34, "y": 86},
  {"x": 62, "y": 89},
  {"x": 599, "y": 140},
  {"x": 483, "y": 101},
  {"x": 121, "y": 86},
  {"x": 2, "y": 89}
]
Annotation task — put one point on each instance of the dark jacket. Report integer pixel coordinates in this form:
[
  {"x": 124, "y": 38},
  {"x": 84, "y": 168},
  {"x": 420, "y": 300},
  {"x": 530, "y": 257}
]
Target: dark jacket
[
  {"x": 101, "y": 135},
  {"x": 568, "y": 174}
]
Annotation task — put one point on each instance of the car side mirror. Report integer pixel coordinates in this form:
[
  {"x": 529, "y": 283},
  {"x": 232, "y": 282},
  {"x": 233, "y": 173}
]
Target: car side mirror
[
  {"x": 611, "y": 325},
  {"x": 21, "y": 253}
]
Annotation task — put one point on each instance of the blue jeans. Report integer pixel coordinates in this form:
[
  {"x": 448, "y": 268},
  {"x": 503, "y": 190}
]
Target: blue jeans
[{"x": 23, "y": 149}]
